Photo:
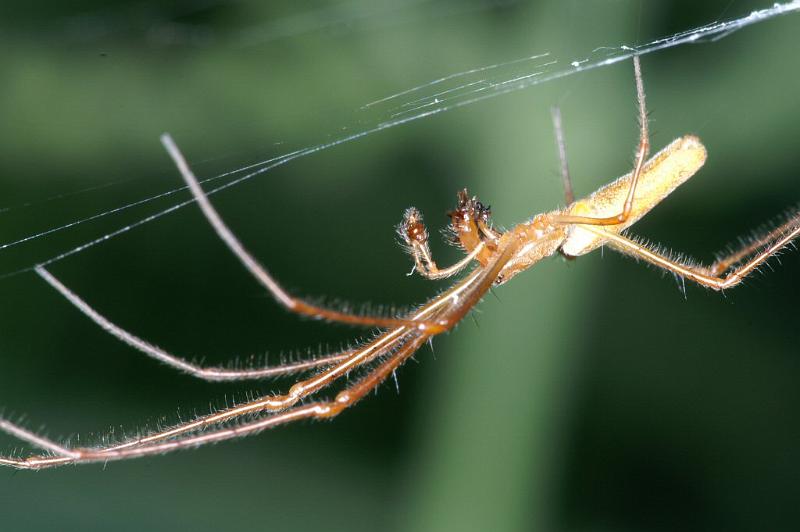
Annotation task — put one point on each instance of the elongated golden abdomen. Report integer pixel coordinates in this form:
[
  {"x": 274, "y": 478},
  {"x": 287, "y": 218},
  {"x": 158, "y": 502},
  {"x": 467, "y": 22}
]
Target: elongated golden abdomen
[{"x": 662, "y": 174}]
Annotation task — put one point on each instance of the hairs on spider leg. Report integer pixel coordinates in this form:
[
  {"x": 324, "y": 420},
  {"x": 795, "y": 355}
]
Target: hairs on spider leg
[{"x": 760, "y": 238}]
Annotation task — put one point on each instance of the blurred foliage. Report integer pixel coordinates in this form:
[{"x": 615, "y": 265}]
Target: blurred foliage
[{"x": 589, "y": 395}]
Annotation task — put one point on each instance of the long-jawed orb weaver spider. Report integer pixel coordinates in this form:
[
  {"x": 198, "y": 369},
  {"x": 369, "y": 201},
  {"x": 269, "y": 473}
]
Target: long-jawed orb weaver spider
[{"x": 582, "y": 226}]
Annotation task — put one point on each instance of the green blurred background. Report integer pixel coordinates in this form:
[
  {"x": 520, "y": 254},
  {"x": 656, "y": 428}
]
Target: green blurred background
[{"x": 589, "y": 395}]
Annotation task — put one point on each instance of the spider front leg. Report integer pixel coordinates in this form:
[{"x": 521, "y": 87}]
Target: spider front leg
[
  {"x": 212, "y": 374},
  {"x": 392, "y": 342},
  {"x": 320, "y": 410},
  {"x": 395, "y": 344},
  {"x": 260, "y": 273}
]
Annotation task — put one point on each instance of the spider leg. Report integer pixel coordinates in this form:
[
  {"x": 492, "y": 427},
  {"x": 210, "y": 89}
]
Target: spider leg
[
  {"x": 302, "y": 389},
  {"x": 489, "y": 275},
  {"x": 700, "y": 274},
  {"x": 34, "y": 439},
  {"x": 320, "y": 410},
  {"x": 726, "y": 261},
  {"x": 378, "y": 347},
  {"x": 391, "y": 342},
  {"x": 561, "y": 145},
  {"x": 206, "y": 373},
  {"x": 642, "y": 150},
  {"x": 260, "y": 273}
]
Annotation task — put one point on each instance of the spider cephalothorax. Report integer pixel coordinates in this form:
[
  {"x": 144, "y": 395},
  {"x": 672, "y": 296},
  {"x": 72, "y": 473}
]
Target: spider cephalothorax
[{"x": 471, "y": 225}]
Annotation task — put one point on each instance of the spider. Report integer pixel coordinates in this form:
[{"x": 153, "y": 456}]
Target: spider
[{"x": 582, "y": 226}]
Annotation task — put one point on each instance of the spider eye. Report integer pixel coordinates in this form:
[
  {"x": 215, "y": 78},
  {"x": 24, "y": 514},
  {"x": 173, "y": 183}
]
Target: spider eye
[{"x": 482, "y": 211}]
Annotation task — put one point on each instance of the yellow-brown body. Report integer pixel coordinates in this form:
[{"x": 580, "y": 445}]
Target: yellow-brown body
[{"x": 549, "y": 233}]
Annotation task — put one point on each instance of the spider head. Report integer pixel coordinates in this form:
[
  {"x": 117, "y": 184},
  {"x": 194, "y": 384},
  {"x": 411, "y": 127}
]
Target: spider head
[
  {"x": 468, "y": 211},
  {"x": 470, "y": 221}
]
